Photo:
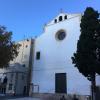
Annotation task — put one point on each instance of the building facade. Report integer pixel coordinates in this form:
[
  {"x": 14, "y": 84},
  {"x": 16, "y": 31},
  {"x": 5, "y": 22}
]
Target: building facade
[
  {"x": 45, "y": 64},
  {"x": 53, "y": 71},
  {"x": 15, "y": 79}
]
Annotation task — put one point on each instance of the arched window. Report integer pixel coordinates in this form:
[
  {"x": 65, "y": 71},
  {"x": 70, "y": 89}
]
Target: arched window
[
  {"x": 60, "y": 18},
  {"x": 65, "y": 17},
  {"x": 55, "y": 20}
]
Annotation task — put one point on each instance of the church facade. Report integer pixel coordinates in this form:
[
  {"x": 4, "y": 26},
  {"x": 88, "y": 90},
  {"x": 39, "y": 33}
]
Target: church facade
[
  {"x": 44, "y": 64},
  {"x": 53, "y": 71}
]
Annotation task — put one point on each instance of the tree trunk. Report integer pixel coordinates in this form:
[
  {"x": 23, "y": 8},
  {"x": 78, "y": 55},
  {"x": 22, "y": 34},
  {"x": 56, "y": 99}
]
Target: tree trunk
[{"x": 93, "y": 87}]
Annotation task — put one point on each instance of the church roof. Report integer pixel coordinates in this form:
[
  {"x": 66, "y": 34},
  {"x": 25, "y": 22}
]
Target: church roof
[{"x": 61, "y": 17}]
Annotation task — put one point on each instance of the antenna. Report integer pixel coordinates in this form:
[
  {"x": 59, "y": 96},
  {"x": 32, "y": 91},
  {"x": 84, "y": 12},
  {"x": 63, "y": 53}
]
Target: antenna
[{"x": 24, "y": 37}]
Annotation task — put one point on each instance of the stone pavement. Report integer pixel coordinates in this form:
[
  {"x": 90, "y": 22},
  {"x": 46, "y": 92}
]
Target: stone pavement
[{"x": 25, "y": 98}]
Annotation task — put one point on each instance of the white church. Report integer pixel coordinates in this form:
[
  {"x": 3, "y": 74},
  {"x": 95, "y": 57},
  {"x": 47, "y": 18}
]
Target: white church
[
  {"x": 53, "y": 71},
  {"x": 46, "y": 62}
]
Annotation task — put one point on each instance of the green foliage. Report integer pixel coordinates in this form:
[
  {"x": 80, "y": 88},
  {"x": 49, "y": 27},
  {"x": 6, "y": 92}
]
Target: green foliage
[
  {"x": 8, "y": 49},
  {"x": 87, "y": 56}
]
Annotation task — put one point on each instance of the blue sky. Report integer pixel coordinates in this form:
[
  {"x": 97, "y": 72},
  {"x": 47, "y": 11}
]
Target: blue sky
[{"x": 26, "y": 18}]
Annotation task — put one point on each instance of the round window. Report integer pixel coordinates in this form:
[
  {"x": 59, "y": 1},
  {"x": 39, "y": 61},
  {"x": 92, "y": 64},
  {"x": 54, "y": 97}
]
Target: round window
[{"x": 61, "y": 35}]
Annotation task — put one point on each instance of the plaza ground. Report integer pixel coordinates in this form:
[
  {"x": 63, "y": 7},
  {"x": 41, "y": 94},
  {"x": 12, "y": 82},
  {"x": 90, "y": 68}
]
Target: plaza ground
[
  {"x": 17, "y": 98},
  {"x": 25, "y": 98}
]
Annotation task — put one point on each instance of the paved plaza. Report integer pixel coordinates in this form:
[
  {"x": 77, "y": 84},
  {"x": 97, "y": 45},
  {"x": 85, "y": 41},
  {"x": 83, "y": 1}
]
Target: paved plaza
[
  {"x": 17, "y": 98},
  {"x": 25, "y": 98}
]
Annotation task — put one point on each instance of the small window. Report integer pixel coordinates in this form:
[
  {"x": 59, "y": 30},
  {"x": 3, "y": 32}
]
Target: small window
[
  {"x": 65, "y": 17},
  {"x": 27, "y": 39},
  {"x": 23, "y": 65},
  {"x": 37, "y": 55},
  {"x": 26, "y": 46},
  {"x": 60, "y": 18},
  {"x": 5, "y": 80},
  {"x": 17, "y": 76},
  {"x": 10, "y": 86},
  {"x": 55, "y": 20},
  {"x": 22, "y": 77},
  {"x": 12, "y": 75}
]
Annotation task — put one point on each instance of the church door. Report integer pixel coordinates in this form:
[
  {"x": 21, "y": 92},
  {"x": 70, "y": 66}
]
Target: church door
[{"x": 60, "y": 83}]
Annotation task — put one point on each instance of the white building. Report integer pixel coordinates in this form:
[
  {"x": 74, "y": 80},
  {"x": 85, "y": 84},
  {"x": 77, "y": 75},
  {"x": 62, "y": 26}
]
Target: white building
[
  {"x": 53, "y": 71},
  {"x": 52, "y": 68},
  {"x": 16, "y": 78}
]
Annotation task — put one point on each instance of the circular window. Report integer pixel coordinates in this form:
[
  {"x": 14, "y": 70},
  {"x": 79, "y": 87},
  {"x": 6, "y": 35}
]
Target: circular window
[{"x": 60, "y": 35}]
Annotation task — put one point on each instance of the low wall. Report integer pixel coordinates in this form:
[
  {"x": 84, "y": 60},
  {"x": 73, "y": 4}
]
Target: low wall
[{"x": 57, "y": 96}]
